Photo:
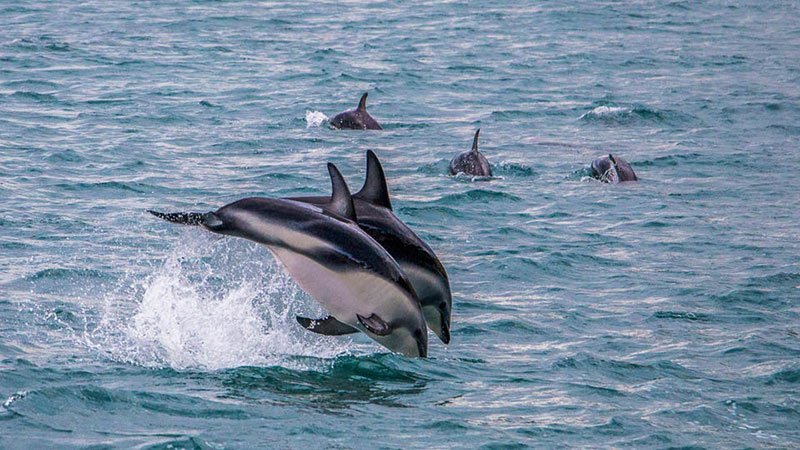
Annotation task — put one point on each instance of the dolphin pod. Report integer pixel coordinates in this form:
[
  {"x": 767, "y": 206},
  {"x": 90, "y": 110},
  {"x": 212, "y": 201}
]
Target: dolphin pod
[
  {"x": 332, "y": 259},
  {"x": 374, "y": 215},
  {"x": 354, "y": 256}
]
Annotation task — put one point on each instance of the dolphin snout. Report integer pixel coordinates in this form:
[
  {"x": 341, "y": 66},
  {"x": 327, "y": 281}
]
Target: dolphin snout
[{"x": 445, "y": 335}]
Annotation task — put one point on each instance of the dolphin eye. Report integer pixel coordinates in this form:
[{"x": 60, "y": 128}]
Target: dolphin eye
[
  {"x": 418, "y": 333},
  {"x": 442, "y": 306}
]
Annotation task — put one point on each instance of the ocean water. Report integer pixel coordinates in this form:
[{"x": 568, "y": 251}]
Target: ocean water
[{"x": 664, "y": 313}]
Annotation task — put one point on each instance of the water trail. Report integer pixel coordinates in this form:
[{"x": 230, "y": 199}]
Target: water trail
[
  {"x": 315, "y": 118},
  {"x": 213, "y": 304}
]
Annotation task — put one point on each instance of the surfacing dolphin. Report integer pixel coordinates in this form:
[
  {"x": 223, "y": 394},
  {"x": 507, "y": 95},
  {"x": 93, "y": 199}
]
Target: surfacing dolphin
[
  {"x": 330, "y": 258},
  {"x": 424, "y": 270},
  {"x": 357, "y": 119},
  {"x": 613, "y": 169},
  {"x": 471, "y": 162}
]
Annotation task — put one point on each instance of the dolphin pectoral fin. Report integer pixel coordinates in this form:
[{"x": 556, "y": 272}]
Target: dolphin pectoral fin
[
  {"x": 341, "y": 201},
  {"x": 328, "y": 326},
  {"x": 375, "y": 190},
  {"x": 375, "y": 324}
]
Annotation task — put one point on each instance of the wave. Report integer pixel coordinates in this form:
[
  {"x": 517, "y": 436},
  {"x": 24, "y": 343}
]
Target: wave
[{"x": 623, "y": 115}]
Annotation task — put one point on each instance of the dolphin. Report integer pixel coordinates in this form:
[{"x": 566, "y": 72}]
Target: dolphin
[
  {"x": 357, "y": 119},
  {"x": 424, "y": 270},
  {"x": 332, "y": 259},
  {"x": 613, "y": 169},
  {"x": 471, "y": 162}
]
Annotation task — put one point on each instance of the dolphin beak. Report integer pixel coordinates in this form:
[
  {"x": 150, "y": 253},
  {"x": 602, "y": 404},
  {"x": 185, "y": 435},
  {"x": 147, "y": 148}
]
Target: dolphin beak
[{"x": 445, "y": 336}]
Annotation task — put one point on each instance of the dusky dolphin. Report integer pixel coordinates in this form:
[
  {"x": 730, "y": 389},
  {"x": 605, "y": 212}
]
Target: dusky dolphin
[
  {"x": 330, "y": 258},
  {"x": 424, "y": 270},
  {"x": 613, "y": 169},
  {"x": 357, "y": 119},
  {"x": 471, "y": 162}
]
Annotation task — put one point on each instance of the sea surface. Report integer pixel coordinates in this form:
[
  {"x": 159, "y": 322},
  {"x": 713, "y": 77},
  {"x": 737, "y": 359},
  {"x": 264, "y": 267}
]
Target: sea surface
[{"x": 658, "y": 314}]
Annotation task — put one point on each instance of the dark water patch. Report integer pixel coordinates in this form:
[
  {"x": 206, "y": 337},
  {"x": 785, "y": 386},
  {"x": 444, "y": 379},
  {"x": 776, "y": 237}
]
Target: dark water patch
[
  {"x": 761, "y": 297},
  {"x": 788, "y": 376},
  {"x": 57, "y": 404},
  {"x": 67, "y": 155},
  {"x": 514, "y": 326},
  {"x": 61, "y": 274},
  {"x": 30, "y": 85},
  {"x": 513, "y": 170},
  {"x": 376, "y": 379},
  {"x": 467, "y": 68},
  {"x": 446, "y": 425},
  {"x": 782, "y": 279},
  {"x": 430, "y": 212},
  {"x": 478, "y": 196},
  {"x": 106, "y": 101},
  {"x": 792, "y": 130},
  {"x": 435, "y": 168},
  {"x": 681, "y": 315},
  {"x": 725, "y": 60},
  {"x": 510, "y": 115},
  {"x": 405, "y": 126},
  {"x": 624, "y": 370},
  {"x": 668, "y": 161},
  {"x": 138, "y": 188},
  {"x": 36, "y": 96},
  {"x": 238, "y": 144}
]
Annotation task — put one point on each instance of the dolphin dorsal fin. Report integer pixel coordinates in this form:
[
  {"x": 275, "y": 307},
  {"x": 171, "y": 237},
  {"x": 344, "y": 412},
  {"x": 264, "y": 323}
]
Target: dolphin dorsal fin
[
  {"x": 475, "y": 141},
  {"x": 341, "y": 201},
  {"x": 362, "y": 104},
  {"x": 375, "y": 190},
  {"x": 611, "y": 157}
]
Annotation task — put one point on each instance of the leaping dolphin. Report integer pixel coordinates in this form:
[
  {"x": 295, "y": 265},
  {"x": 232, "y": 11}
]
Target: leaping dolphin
[
  {"x": 357, "y": 119},
  {"x": 471, "y": 162},
  {"x": 613, "y": 169},
  {"x": 330, "y": 258},
  {"x": 424, "y": 270}
]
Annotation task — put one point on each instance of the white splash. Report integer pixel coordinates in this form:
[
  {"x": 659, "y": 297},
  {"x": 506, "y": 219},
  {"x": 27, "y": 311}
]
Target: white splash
[
  {"x": 214, "y": 304},
  {"x": 315, "y": 118},
  {"x": 605, "y": 111}
]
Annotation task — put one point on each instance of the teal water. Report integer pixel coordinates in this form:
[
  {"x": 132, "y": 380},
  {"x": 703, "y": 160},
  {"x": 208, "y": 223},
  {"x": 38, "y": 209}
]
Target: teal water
[{"x": 659, "y": 314}]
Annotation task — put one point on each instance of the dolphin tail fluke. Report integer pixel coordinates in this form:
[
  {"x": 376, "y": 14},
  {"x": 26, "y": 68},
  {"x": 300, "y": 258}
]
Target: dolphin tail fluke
[
  {"x": 182, "y": 218},
  {"x": 208, "y": 220},
  {"x": 475, "y": 141},
  {"x": 375, "y": 190},
  {"x": 328, "y": 326},
  {"x": 362, "y": 104}
]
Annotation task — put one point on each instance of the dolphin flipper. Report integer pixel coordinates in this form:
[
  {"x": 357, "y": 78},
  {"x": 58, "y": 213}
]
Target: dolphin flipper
[
  {"x": 328, "y": 326},
  {"x": 375, "y": 324}
]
